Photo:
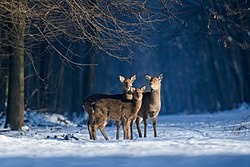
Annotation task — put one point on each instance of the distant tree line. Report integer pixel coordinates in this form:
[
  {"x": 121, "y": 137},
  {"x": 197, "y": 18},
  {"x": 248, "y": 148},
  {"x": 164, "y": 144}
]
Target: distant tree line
[
  {"x": 205, "y": 60},
  {"x": 207, "y": 56}
]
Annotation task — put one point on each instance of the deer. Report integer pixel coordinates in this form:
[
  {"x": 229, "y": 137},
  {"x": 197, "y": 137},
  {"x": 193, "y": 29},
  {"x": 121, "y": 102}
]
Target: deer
[
  {"x": 151, "y": 105},
  {"x": 90, "y": 101},
  {"x": 118, "y": 110}
]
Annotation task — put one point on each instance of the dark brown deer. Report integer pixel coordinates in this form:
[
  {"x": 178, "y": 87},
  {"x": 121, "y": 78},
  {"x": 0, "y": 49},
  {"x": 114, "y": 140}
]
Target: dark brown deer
[
  {"x": 90, "y": 101},
  {"x": 118, "y": 110},
  {"x": 151, "y": 105}
]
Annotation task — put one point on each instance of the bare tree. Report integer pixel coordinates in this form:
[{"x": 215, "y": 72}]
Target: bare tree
[
  {"x": 13, "y": 13},
  {"x": 230, "y": 20},
  {"x": 215, "y": 41},
  {"x": 112, "y": 27}
]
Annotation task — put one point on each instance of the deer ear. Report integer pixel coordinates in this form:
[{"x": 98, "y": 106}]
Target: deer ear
[
  {"x": 148, "y": 77},
  {"x": 121, "y": 78},
  {"x": 143, "y": 88},
  {"x": 133, "y": 78},
  {"x": 132, "y": 89},
  {"x": 160, "y": 77}
]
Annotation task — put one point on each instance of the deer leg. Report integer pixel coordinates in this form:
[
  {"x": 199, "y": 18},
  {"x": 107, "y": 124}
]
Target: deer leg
[
  {"x": 94, "y": 132},
  {"x": 102, "y": 129},
  {"x": 118, "y": 130},
  {"x": 145, "y": 120},
  {"x": 131, "y": 129},
  {"x": 128, "y": 129},
  {"x": 124, "y": 129},
  {"x": 138, "y": 124},
  {"x": 154, "y": 126},
  {"x": 90, "y": 130}
]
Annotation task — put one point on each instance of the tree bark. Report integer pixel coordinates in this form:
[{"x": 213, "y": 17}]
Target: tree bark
[
  {"x": 90, "y": 73},
  {"x": 15, "y": 106}
]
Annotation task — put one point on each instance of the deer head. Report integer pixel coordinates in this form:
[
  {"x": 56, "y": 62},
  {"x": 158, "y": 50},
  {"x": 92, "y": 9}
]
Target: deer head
[
  {"x": 127, "y": 82},
  {"x": 138, "y": 92},
  {"x": 154, "y": 82}
]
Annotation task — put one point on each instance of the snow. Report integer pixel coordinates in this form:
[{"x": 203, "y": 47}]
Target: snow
[{"x": 220, "y": 139}]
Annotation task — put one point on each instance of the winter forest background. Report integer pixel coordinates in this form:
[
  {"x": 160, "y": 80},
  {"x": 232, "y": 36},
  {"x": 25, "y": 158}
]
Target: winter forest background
[{"x": 201, "y": 47}]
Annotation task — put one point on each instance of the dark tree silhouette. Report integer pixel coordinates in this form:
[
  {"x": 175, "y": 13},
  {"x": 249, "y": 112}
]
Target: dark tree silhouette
[{"x": 111, "y": 27}]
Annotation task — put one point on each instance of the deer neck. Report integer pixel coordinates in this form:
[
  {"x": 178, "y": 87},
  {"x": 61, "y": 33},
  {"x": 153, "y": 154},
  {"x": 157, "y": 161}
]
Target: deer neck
[
  {"x": 136, "y": 105},
  {"x": 155, "y": 95},
  {"x": 127, "y": 94}
]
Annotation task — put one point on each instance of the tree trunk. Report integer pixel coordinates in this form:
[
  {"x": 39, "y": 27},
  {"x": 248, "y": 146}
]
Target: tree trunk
[
  {"x": 15, "y": 106},
  {"x": 21, "y": 103},
  {"x": 90, "y": 73}
]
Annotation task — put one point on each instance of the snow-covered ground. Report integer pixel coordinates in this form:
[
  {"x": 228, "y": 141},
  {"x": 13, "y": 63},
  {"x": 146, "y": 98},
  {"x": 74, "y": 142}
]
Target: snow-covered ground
[{"x": 209, "y": 140}]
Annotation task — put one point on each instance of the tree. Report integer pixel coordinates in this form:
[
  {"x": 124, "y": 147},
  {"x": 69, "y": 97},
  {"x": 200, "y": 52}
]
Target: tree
[
  {"x": 111, "y": 27},
  {"x": 229, "y": 20},
  {"x": 15, "y": 107},
  {"x": 214, "y": 46}
]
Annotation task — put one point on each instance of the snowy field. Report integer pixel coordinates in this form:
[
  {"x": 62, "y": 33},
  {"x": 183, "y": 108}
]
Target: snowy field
[{"x": 209, "y": 140}]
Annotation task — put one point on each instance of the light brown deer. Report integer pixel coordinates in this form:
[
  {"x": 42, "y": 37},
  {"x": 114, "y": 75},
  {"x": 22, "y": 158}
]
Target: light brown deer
[
  {"x": 119, "y": 110},
  {"x": 151, "y": 105},
  {"x": 90, "y": 101}
]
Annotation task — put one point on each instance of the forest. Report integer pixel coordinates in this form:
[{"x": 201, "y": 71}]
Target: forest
[{"x": 53, "y": 54}]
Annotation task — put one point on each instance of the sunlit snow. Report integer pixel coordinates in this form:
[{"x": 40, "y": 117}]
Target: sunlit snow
[{"x": 220, "y": 139}]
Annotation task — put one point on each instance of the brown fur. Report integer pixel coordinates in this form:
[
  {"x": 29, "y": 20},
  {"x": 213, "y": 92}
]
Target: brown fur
[
  {"x": 90, "y": 101},
  {"x": 119, "y": 110},
  {"x": 151, "y": 105}
]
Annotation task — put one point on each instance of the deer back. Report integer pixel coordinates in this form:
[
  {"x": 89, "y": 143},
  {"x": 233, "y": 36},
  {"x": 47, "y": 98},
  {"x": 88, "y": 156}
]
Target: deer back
[{"x": 114, "y": 109}]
